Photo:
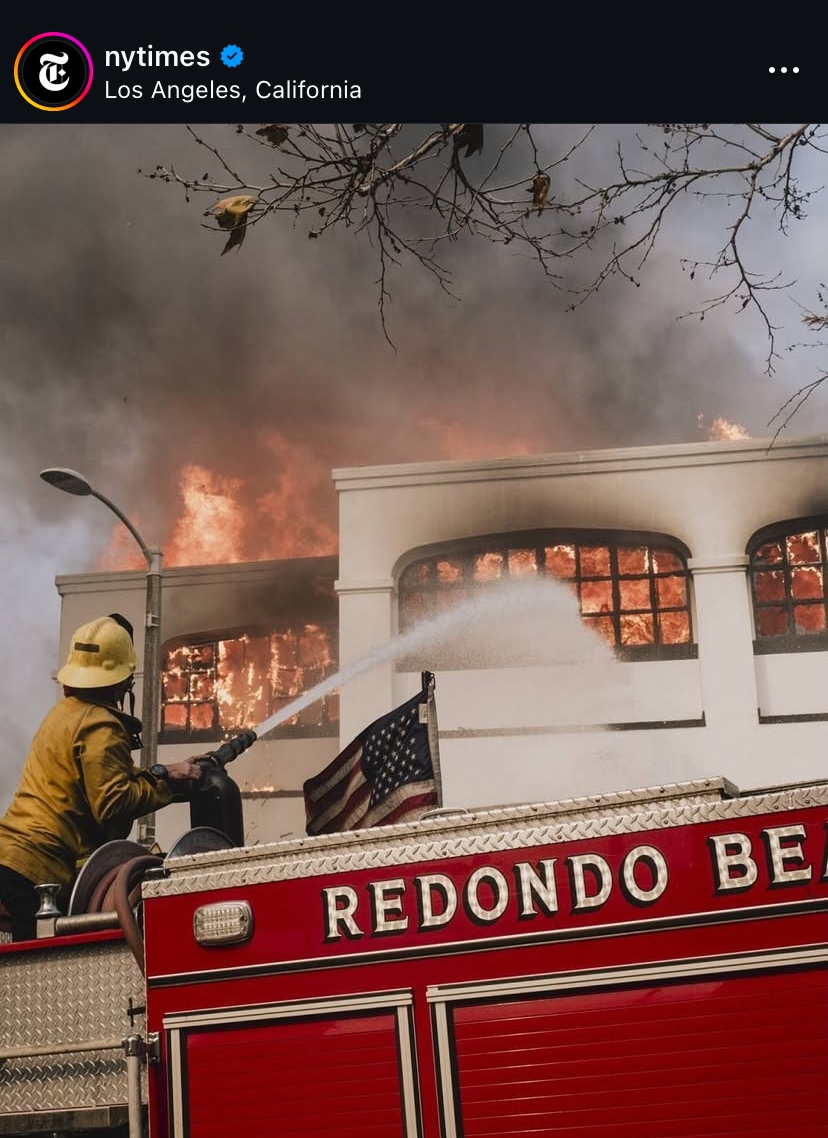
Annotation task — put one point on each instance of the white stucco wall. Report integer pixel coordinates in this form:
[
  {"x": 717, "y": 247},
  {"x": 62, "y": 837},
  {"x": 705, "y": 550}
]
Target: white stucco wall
[{"x": 711, "y": 496}]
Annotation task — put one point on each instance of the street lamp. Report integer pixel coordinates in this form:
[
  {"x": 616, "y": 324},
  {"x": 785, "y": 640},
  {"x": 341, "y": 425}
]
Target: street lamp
[{"x": 74, "y": 483}]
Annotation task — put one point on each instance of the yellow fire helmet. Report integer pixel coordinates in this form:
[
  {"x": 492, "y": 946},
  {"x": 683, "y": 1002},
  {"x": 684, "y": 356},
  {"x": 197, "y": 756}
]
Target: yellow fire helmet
[{"x": 101, "y": 654}]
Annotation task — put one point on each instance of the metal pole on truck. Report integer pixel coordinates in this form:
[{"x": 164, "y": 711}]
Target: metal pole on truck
[{"x": 74, "y": 483}]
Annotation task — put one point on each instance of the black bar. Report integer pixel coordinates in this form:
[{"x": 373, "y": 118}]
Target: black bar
[{"x": 552, "y": 68}]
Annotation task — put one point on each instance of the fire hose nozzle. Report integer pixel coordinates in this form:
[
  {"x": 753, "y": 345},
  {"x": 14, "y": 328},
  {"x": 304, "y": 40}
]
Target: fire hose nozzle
[
  {"x": 215, "y": 801},
  {"x": 232, "y": 748}
]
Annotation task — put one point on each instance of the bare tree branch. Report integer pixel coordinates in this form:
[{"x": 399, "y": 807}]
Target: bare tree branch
[{"x": 410, "y": 191}]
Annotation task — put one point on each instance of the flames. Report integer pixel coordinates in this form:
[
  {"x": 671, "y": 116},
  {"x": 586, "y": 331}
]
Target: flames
[
  {"x": 722, "y": 430},
  {"x": 219, "y": 686},
  {"x": 211, "y": 527},
  {"x": 631, "y": 595},
  {"x": 789, "y": 584},
  {"x": 222, "y": 520},
  {"x": 224, "y": 685}
]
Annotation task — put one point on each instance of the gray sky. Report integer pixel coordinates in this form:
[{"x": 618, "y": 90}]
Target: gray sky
[{"x": 131, "y": 349}]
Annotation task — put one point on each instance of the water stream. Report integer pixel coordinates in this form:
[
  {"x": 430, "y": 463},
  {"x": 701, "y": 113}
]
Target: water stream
[{"x": 513, "y": 623}]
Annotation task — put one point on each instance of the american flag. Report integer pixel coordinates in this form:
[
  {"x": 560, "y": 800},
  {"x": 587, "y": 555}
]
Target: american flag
[{"x": 387, "y": 774}]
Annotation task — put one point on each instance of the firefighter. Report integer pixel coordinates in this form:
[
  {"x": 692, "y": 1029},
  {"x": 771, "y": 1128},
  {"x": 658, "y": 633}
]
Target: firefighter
[{"x": 79, "y": 787}]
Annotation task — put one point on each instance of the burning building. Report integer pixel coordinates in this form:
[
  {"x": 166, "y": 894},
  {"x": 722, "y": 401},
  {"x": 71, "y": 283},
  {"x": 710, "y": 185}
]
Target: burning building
[
  {"x": 596, "y": 621},
  {"x": 239, "y": 642}
]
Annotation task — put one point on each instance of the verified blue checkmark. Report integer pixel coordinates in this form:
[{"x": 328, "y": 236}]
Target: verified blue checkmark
[{"x": 232, "y": 55}]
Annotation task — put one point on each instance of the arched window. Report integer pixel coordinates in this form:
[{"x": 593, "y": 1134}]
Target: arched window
[
  {"x": 632, "y": 588},
  {"x": 219, "y": 682},
  {"x": 787, "y": 571}
]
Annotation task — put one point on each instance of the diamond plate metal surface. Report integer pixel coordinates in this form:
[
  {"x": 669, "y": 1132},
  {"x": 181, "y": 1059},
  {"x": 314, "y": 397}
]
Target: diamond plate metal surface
[
  {"x": 480, "y": 831},
  {"x": 58, "y": 996}
]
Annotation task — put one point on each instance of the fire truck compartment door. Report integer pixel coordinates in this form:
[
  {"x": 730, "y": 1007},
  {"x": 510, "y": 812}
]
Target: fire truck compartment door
[
  {"x": 340, "y": 1066},
  {"x": 735, "y": 1055}
]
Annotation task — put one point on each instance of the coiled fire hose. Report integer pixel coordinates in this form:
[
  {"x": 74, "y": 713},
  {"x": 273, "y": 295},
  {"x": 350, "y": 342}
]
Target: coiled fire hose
[
  {"x": 119, "y": 887},
  {"x": 119, "y": 890}
]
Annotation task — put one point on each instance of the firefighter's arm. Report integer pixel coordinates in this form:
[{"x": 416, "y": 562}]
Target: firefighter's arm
[
  {"x": 179, "y": 777},
  {"x": 184, "y": 773},
  {"x": 115, "y": 788}
]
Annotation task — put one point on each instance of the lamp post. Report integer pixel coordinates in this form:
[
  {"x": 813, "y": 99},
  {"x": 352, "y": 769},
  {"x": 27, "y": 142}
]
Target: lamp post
[{"x": 73, "y": 483}]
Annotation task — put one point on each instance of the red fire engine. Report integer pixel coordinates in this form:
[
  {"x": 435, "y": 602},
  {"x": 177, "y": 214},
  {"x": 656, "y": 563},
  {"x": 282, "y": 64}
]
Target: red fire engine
[{"x": 646, "y": 964}]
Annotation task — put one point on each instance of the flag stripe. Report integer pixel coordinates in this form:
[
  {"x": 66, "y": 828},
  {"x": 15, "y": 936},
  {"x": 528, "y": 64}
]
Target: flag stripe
[
  {"x": 334, "y": 808},
  {"x": 424, "y": 796},
  {"x": 343, "y": 815},
  {"x": 350, "y": 818},
  {"x": 318, "y": 785},
  {"x": 385, "y": 775},
  {"x": 333, "y": 790}
]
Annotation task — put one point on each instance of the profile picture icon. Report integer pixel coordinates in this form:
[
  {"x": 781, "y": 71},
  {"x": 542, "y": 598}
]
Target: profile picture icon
[{"x": 53, "y": 71}]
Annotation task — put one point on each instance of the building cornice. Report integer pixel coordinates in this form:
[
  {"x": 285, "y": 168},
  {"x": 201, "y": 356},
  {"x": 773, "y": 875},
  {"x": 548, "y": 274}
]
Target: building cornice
[
  {"x": 567, "y": 463},
  {"x": 243, "y": 572}
]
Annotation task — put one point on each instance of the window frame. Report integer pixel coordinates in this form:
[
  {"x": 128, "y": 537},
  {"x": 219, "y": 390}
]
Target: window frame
[
  {"x": 217, "y": 733},
  {"x": 613, "y": 539},
  {"x": 790, "y": 641}
]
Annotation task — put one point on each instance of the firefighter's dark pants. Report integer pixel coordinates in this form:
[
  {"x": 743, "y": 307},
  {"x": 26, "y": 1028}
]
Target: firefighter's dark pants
[{"x": 21, "y": 902}]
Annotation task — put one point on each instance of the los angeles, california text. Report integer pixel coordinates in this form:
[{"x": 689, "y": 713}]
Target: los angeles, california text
[{"x": 264, "y": 89}]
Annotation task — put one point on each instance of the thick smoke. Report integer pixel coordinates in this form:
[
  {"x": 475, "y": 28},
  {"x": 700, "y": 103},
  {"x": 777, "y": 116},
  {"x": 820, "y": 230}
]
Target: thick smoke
[{"x": 131, "y": 349}]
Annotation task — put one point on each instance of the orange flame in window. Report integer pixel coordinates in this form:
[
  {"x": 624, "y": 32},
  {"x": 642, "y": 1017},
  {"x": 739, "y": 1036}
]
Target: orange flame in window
[{"x": 224, "y": 685}]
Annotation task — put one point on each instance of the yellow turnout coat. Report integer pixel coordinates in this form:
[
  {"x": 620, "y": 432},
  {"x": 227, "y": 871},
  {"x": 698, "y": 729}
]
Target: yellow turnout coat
[{"x": 79, "y": 789}]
